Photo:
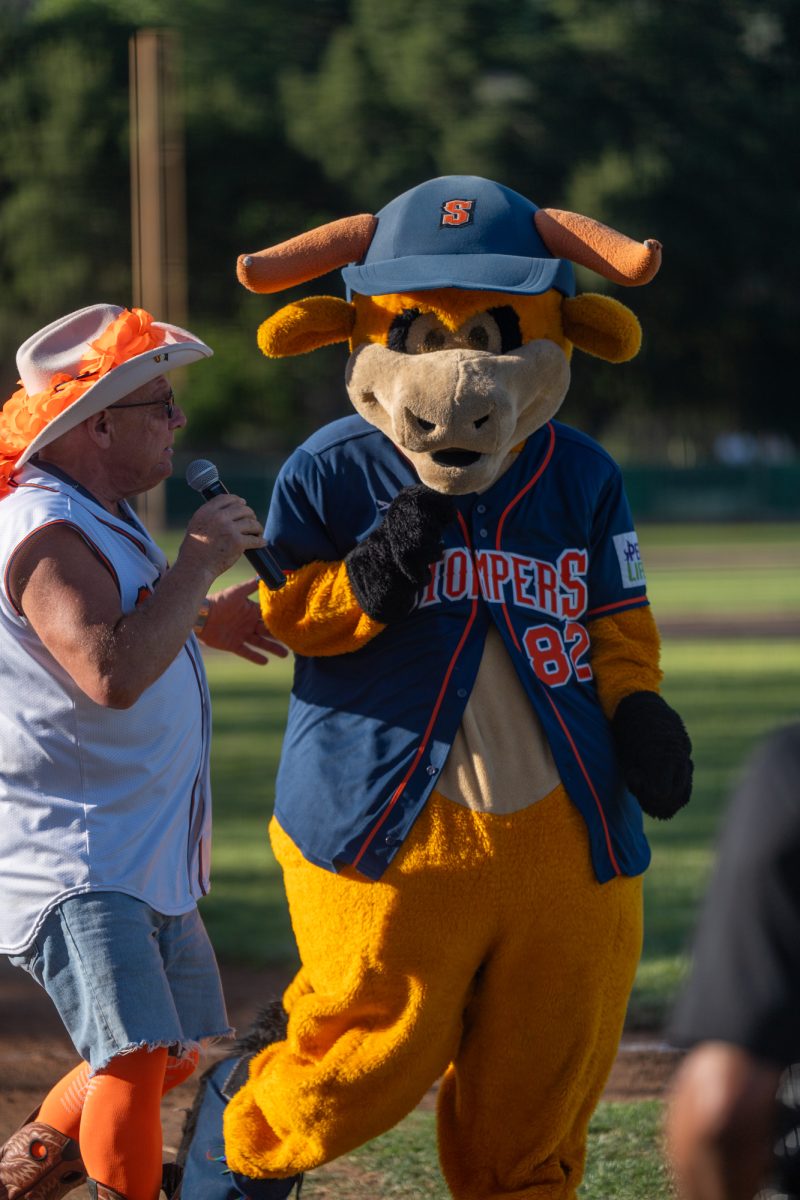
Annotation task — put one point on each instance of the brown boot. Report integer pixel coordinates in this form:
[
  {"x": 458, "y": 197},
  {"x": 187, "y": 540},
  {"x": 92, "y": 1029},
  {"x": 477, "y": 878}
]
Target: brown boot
[
  {"x": 39, "y": 1163},
  {"x": 170, "y": 1181},
  {"x": 99, "y": 1191}
]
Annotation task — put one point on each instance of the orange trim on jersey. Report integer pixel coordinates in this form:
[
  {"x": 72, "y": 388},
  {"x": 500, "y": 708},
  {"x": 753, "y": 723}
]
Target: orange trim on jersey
[
  {"x": 70, "y": 525},
  {"x": 604, "y": 608},
  {"x": 589, "y": 783},
  {"x": 536, "y": 477},
  {"x": 542, "y": 468},
  {"x": 124, "y": 533},
  {"x": 42, "y": 487},
  {"x": 196, "y": 784},
  {"x": 426, "y": 736}
]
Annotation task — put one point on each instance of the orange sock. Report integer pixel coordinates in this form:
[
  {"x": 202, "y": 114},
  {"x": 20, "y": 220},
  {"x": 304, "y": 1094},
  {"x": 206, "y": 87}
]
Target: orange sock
[
  {"x": 63, "y": 1104},
  {"x": 120, "y": 1135},
  {"x": 179, "y": 1069}
]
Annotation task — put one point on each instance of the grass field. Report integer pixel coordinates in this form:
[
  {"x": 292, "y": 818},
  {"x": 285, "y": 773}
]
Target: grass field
[
  {"x": 708, "y": 570},
  {"x": 729, "y": 691},
  {"x": 624, "y": 1163}
]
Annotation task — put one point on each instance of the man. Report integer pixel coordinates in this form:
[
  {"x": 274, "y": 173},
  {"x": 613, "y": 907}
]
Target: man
[
  {"x": 105, "y": 730},
  {"x": 740, "y": 1012}
]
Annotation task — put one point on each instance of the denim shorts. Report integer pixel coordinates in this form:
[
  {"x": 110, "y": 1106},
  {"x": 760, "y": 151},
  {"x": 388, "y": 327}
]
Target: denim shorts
[{"x": 124, "y": 976}]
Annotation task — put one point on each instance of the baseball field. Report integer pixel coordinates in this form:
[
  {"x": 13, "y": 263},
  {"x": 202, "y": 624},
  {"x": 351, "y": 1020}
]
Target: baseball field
[{"x": 727, "y": 599}]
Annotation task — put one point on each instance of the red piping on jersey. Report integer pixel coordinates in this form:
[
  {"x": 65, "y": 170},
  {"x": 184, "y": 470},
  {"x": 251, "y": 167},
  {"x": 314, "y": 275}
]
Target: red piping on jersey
[
  {"x": 123, "y": 533},
  {"x": 619, "y": 604},
  {"x": 200, "y": 868},
  {"x": 535, "y": 478},
  {"x": 426, "y": 737},
  {"x": 590, "y": 785},
  {"x": 543, "y": 467},
  {"x": 70, "y": 525},
  {"x": 43, "y": 488}
]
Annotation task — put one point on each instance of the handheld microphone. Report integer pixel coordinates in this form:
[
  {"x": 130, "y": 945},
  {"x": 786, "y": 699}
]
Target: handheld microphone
[{"x": 203, "y": 476}]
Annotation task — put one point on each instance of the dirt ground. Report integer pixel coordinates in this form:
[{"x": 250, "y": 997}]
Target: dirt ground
[{"x": 35, "y": 1051}]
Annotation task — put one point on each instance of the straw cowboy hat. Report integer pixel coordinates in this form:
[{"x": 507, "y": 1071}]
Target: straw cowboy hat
[{"x": 80, "y": 364}]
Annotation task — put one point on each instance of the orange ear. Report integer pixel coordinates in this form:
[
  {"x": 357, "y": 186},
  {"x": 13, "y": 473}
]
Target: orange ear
[
  {"x": 601, "y": 326},
  {"x": 306, "y": 325}
]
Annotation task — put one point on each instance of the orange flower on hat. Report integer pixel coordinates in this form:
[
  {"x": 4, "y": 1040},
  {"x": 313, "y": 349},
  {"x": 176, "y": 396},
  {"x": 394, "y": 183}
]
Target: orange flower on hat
[
  {"x": 23, "y": 417},
  {"x": 130, "y": 334}
]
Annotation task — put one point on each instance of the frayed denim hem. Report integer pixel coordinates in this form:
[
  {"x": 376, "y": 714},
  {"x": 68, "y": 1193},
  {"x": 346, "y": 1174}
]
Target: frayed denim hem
[{"x": 178, "y": 1049}]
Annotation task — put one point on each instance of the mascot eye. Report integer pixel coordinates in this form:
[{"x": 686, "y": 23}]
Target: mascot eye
[
  {"x": 478, "y": 338},
  {"x": 496, "y": 331},
  {"x": 434, "y": 340},
  {"x": 413, "y": 332},
  {"x": 398, "y": 330},
  {"x": 507, "y": 322}
]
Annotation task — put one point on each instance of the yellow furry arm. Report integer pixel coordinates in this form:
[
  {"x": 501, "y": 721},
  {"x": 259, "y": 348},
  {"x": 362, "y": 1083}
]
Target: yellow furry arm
[
  {"x": 246, "y": 1131},
  {"x": 316, "y": 613},
  {"x": 626, "y": 652}
]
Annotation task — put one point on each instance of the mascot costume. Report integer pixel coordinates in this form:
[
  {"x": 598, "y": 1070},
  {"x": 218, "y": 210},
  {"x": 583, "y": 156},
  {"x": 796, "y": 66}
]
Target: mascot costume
[{"x": 475, "y": 724}]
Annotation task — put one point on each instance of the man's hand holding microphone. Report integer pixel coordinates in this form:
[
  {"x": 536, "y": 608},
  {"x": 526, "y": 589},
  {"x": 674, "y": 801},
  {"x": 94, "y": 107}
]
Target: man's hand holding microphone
[{"x": 218, "y": 534}]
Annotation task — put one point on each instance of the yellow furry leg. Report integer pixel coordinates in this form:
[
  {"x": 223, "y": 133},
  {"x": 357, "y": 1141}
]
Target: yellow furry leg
[
  {"x": 488, "y": 944},
  {"x": 375, "y": 1013},
  {"x": 543, "y": 1027}
]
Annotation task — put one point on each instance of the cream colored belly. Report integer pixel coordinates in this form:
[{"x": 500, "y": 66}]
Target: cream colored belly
[{"x": 500, "y": 760}]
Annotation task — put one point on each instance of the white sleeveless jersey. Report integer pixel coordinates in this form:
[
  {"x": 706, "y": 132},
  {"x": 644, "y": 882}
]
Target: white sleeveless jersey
[{"x": 93, "y": 798}]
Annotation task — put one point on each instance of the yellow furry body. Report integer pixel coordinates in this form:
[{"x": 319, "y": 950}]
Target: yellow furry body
[{"x": 464, "y": 959}]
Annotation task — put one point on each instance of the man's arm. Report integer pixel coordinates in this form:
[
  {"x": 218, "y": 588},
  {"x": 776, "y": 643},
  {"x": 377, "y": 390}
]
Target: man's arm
[
  {"x": 72, "y": 603},
  {"x": 738, "y": 1010},
  {"x": 721, "y": 1123}
]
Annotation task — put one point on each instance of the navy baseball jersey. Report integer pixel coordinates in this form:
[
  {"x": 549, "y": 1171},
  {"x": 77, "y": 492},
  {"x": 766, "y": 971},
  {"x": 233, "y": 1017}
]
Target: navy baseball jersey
[{"x": 548, "y": 547}]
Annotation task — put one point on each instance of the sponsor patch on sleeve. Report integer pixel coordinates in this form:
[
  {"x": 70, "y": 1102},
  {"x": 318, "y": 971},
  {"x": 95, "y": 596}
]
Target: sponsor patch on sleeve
[{"x": 630, "y": 560}]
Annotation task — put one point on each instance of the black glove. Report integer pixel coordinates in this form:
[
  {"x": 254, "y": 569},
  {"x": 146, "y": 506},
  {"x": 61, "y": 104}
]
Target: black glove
[
  {"x": 389, "y": 567},
  {"x": 654, "y": 752}
]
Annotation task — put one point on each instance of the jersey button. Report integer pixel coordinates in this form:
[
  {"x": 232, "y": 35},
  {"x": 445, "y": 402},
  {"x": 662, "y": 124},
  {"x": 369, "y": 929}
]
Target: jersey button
[
  {"x": 461, "y": 693},
  {"x": 432, "y": 770},
  {"x": 481, "y": 508},
  {"x": 484, "y": 532}
]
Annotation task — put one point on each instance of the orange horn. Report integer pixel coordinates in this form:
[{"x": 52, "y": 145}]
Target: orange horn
[
  {"x": 590, "y": 244},
  {"x": 308, "y": 255}
]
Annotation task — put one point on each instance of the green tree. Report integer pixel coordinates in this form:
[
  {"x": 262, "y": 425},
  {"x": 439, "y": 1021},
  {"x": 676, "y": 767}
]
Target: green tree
[
  {"x": 63, "y": 169},
  {"x": 676, "y": 121},
  {"x": 670, "y": 120}
]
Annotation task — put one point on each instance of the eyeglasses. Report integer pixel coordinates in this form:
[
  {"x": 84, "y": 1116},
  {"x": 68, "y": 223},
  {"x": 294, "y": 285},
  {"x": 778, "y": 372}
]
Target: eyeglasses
[{"x": 169, "y": 405}]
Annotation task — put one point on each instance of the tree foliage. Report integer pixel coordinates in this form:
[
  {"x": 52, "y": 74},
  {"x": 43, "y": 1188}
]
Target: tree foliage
[{"x": 671, "y": 120}]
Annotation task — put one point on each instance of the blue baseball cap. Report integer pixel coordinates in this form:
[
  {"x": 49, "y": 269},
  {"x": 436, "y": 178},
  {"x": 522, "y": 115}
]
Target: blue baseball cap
[{"x": 458, "y": 231}]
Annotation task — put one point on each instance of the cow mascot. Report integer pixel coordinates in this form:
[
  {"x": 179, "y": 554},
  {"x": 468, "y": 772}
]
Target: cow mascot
[{"x": 475, "y": 725}]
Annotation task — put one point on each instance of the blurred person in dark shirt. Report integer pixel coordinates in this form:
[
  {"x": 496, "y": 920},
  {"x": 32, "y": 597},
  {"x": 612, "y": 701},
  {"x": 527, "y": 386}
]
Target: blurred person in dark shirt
[{"x": 732, "y": 1119}]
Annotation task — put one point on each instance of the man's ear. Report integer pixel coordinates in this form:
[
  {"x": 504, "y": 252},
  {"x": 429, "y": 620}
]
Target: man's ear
[
  {"x": 306, "y": 325},
  {"x": 98, "y": 428},
  {"x": 601, "y": 326}
]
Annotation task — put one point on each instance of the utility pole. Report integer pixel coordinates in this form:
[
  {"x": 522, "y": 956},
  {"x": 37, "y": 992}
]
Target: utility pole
[{"x": 158, "y": 198}]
